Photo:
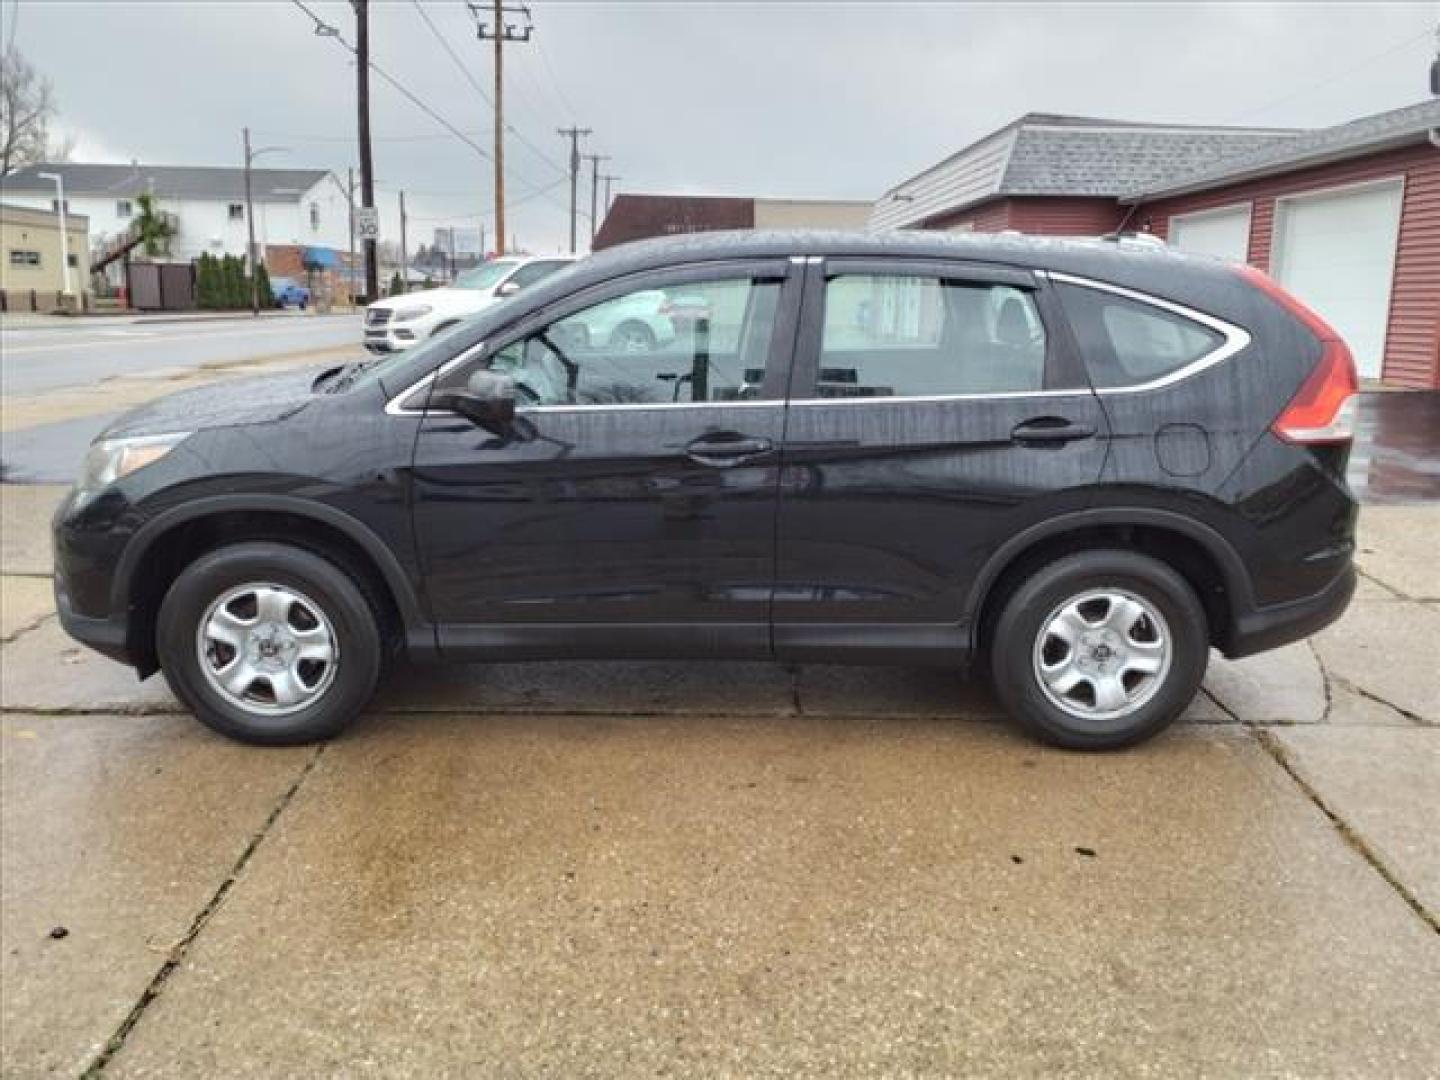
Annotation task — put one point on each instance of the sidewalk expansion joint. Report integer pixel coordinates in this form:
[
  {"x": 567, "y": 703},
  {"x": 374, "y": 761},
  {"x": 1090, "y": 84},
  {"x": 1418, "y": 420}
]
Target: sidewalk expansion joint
[
  {"x": 22, "y": 631},
  {"x": 1273, "y": 747},
  {"x": 1414, "y": 718},
  {"x": 1357, "y": 843},
  {"x": 1396, "y": 593},
  {"x": 177, "y": 954},
  {"x": 1324, "y": 680}
]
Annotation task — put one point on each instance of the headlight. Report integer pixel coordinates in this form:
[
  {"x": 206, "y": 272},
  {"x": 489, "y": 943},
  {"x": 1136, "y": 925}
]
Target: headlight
[
  {"x": 111, "y": 459},
  {"x": 405, "y": 314}
]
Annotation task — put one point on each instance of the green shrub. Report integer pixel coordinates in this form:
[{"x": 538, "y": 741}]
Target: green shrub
[{"x": 262, "y": 286}]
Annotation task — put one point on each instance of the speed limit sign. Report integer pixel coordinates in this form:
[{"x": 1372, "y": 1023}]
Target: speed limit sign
[{"x": 367, "y": 223}]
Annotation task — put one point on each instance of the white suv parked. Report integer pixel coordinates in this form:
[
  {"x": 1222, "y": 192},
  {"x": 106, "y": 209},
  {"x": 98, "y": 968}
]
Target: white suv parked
[{"x": 398, "y": 322}]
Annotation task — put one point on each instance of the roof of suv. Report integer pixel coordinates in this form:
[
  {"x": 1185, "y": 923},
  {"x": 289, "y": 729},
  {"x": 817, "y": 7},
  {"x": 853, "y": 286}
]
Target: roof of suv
[{"x": 1152, "y": 267}]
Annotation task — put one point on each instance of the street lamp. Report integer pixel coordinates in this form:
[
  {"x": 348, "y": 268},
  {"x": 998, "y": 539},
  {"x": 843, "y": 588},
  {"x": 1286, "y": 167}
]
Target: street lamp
[
  {"x": 251, "y": 155},
  {"x": 64, "y": 228}
]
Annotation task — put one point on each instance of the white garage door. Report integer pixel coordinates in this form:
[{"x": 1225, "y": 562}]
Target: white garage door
[
  {"x": 1224, "y": 233},
  {"x": 1336, "y": 251}
]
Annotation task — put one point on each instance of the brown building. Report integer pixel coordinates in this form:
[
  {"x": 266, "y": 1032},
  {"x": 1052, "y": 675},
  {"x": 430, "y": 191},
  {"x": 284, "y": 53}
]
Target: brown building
[
  {"x": 1346, "y": 217},
  {"x": 639, "y": 217}
]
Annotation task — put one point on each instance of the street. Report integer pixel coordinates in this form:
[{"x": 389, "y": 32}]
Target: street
[
  {"x": 41, "y": 358},
  {"x": 598, "y": 869}
]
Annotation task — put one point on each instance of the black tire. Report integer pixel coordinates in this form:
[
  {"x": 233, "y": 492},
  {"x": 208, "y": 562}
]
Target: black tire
[
  {"x": 632, "y": 331},
  {"x": 1015, "y": 652},
  {"x": 352, "y": 621}
]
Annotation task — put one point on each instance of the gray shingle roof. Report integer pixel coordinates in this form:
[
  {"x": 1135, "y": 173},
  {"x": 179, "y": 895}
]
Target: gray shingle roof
[
  {"x": 1048, "y": 154},
  {"x": 168, "y": 181},
  {"x": 1367, "y": 135},
  {"x": 1112, "y": 160}
]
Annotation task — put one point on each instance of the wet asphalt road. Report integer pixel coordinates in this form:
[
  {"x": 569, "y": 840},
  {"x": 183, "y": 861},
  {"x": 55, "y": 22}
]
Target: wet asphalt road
[
  {"x": 42, "y": 358},
  {"x": 1396, "y": 458}
]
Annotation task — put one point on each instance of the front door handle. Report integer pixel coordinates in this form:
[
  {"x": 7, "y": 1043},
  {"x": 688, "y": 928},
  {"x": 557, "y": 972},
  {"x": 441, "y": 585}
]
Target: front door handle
[
  {"x": 725, "y": 448},
  {"x": 1049, "y": 429}
]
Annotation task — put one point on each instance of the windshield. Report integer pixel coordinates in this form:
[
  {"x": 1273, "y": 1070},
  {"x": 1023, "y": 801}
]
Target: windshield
[{"x": 485, "y": 277}]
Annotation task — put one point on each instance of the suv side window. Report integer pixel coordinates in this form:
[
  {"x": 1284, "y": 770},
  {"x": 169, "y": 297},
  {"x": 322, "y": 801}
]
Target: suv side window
[
  {"x": 533, "y": 272},
  {"x": 903, "y": 335},
  {"x": 1128, "y": 342},
  {"x": 701, "y": 341}
]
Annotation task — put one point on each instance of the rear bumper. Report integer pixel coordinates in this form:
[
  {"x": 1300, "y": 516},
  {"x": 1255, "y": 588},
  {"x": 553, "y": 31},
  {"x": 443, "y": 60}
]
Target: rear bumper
[{"x": 1265, "y": 628}]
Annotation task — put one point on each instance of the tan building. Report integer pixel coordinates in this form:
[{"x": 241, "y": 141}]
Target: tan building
[
  {"x": 640, "y": 216},
  {"x": 32, "y": 277}
]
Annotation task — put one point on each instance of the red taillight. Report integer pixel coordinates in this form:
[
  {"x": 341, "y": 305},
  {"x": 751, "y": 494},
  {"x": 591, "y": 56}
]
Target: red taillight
[{"x": 1323, "y": 409}]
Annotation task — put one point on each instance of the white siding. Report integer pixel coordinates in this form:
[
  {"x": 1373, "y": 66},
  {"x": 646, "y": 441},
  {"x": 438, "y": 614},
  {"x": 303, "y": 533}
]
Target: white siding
[
  {"x": 205, "y": 224},
  {"x": 964, "y": 179}
]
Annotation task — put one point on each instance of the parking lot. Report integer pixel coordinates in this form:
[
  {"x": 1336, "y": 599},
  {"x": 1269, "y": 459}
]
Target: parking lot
[{"x": 741, "y": 869}]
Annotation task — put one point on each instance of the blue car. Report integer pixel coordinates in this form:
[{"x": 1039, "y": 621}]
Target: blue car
[{"x": 288, "y": 293}]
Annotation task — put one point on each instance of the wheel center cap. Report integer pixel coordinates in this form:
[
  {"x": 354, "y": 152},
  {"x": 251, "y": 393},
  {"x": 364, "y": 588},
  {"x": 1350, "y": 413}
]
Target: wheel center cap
[{"x": 270, "y": 645}]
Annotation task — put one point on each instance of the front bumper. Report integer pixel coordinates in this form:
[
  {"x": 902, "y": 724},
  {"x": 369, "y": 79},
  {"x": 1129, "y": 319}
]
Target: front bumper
[
  {"x": 109, "y": 635},
  {"x": 1265, "y": 628},
  {"x": 390, "y": 339}
]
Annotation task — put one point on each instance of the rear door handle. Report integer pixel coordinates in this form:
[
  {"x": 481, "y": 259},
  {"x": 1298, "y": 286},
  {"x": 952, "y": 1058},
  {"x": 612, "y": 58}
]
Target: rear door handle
[
  {"x": 724, "y": 448},
  {"x": 1049, "y": 429}
]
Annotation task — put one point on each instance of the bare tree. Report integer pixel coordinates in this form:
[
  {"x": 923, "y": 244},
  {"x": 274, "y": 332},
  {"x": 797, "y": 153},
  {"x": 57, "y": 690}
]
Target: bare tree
[{"x": 27, "y": 105}]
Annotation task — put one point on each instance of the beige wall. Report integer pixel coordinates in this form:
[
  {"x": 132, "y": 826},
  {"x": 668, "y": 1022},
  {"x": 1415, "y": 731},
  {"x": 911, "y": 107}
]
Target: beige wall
[
  {"x": 810, "y": 214},
  {"x": 37, "y": 230}
]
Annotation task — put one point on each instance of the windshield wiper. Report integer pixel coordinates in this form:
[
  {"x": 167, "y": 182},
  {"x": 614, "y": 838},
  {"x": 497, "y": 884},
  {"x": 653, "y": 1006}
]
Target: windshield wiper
[
  {"x": 325, "y": 376},
  {"x": 347, "y": 374}
]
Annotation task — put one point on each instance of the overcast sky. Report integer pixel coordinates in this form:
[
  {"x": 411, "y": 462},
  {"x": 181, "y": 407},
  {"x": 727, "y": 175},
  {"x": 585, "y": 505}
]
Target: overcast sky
[{"x": 814, "y": 99}]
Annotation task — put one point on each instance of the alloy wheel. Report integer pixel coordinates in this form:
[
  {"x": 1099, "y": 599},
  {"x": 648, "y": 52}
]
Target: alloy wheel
[
  {"x": 267, "y": 648},
  {"x": 1103, "y": 654}
]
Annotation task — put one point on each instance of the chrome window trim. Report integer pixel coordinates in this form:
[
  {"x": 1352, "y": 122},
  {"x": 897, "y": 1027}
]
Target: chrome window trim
[
  {"x": 911, "y": 399},
  {"x": 393, "y": 407},
  {"x": 1236, "y": 338}
]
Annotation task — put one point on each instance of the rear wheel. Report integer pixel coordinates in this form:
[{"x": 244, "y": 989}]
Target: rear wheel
[
  {"x": 1100, "y": 649},
  {"x": 268, "y": 643}
]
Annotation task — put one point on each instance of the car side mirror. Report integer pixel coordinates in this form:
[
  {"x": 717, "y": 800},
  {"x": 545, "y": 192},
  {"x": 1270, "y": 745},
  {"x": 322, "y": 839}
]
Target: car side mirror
[
  {"x": 488, "y": 401},
  {"x": 507, "y": 289}
]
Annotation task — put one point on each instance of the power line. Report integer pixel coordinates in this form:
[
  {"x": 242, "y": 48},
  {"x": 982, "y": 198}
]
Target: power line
[
  {"x": 1332, "y": 78},
  {"x": 554, "y": 82},
  {"x": 325, "y": 30},
  {"x": 452, "y": 53}
]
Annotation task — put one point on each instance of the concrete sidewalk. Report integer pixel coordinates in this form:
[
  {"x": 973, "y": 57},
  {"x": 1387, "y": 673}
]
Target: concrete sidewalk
[{"x": 739, "y": 869}]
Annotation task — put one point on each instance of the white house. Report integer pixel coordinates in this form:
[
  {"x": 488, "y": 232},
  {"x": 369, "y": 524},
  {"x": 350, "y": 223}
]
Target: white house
[{"x": 301, "y": 207}]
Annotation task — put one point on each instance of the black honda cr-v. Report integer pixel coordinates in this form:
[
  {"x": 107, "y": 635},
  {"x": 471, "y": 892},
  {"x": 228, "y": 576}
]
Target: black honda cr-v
[{"x": 1077, "y": 464}]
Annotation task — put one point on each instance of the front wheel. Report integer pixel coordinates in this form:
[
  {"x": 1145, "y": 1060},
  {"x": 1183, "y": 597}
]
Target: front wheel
[
  {"x": 269, "y": 643},
  {"x": 1100, "y": 650}
]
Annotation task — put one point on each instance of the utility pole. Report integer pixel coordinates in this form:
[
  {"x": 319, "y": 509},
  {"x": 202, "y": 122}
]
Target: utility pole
[
  {"x": 499, "y": 31},
  {"x": 404, "y": 256},
  {"x": 350, "y": 266},
  {"x": 250, "y": 230},
  {"x": 595, "y": 160},
  {"x": 608, "y": 177},
  {"x": 574, "y": 134},
  {"x": 482, "y": 240},
  {"x": 367, "y": 169},
  {"x": 251, "y": 255}
]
